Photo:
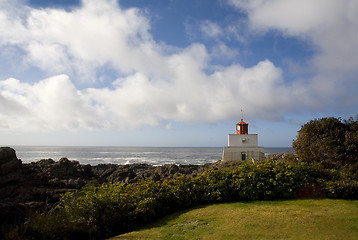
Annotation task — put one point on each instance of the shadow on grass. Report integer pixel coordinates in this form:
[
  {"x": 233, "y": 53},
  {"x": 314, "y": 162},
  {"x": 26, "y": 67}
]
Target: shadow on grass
[{"x": 165, "y": 220}]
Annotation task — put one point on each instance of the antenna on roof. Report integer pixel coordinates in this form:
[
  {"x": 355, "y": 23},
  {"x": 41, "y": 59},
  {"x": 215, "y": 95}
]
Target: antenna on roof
[{"x": 242, "y": 114}]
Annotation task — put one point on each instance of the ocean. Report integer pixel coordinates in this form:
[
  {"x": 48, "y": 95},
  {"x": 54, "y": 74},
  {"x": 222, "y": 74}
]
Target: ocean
[{"x": 128, "y": 155}]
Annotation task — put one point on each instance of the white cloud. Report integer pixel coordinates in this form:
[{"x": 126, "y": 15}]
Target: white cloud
[
  {"x": 211, "y": 29},
  {"x": 222, "y": 51},
  {"x": 294, "y": 17},
  {"x": 157, "y": 85},
  {"x": 136, "y": 100},
  {"x": 83, "y": 39},
  {"x": 52, "y": 103},
  {"x": 329, "y": 25}
]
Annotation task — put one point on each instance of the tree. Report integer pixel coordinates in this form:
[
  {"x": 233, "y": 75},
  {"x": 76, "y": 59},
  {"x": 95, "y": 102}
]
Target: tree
[
  {"x": 328, "y": 140},
  {"x": 351, "y": 140}
]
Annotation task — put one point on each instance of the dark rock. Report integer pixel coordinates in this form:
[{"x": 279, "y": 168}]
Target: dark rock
[
  {"x": 189, "y": 169},
  {"x": 280, "y": 157},
  {"x": 120, "y": 174},
  {"x": 12, "y": 212},
  {"x": 103, "y": 171},
  {"x": 25, "y": 188},
  {"x": 46, "y": 163},
  {"x": 64, "y": 168},
  {"x": 7, "y": 154},
  {"x": 167, "y": 171},
  {"x": 10, "y": 166},
  {"x": 276, "y": 157}
]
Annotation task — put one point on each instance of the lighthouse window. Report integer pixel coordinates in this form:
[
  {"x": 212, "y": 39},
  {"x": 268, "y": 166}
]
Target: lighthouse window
[{"x": 243, "y": 156}]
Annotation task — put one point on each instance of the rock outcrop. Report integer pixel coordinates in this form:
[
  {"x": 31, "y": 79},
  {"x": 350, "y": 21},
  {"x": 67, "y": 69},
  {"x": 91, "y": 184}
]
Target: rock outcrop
[
  {"x": 10, "y": 166},
  {"x": 37, "y": 186}
]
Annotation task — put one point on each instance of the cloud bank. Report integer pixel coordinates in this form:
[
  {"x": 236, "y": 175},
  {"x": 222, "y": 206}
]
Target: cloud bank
[
  {"x": 332, "y": 28},
  {"x": 158, "y": 83}
]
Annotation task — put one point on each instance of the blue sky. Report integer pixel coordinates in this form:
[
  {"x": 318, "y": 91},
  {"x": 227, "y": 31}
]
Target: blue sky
[{"x": 173, "y": 73}]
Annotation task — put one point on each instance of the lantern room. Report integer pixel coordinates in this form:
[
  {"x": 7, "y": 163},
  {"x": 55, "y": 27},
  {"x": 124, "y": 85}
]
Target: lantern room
[{"x": 242, "y": 127}]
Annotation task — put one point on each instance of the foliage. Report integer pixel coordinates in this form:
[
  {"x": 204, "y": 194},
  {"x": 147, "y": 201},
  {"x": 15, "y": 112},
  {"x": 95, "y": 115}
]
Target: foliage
[
  {"x": 342, "y": 189},
  {"x": 100, "y": 211},
  {"x": 330, "y": 141}
]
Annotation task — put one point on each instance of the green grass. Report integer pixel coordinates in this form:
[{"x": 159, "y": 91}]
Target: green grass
[{"x": 292, "y": 219}]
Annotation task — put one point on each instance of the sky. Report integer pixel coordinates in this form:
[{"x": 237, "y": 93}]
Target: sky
[{"x": 173, "y": 72}]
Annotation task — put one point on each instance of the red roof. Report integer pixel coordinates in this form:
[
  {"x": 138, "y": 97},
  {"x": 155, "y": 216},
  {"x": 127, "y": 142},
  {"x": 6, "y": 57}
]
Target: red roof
[{"x": 242, "y": 122}]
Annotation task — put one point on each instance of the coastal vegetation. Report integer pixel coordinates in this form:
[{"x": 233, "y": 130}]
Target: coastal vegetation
[
  {"x": 110, "y": 209},
  {"x": 99, "y": 211},
  {"x": 328, "y": 141}
]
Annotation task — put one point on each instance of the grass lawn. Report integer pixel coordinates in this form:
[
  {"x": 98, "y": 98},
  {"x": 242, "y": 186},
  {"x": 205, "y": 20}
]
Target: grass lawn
[{"x": 291, "y": 219}]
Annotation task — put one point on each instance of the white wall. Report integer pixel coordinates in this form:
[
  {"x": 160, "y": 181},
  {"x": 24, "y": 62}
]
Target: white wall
[
  {"x": 242, "y": 140},
  {"x": 235, "y": 153}
]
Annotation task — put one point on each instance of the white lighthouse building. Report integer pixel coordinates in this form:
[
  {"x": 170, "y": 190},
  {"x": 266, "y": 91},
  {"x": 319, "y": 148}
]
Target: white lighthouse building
[{"x": 242, "y": 145}]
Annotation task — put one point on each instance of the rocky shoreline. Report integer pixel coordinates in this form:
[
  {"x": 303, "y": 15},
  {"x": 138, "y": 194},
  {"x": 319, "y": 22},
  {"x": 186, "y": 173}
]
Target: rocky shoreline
[{"x": 30, "y": 187}]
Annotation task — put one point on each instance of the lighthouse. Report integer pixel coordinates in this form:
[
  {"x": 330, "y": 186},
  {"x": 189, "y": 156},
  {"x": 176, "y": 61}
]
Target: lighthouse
[{"x": 242, "y": 145}]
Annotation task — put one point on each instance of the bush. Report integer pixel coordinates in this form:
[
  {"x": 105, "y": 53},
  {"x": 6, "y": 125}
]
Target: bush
[
  {"x": 329, "y": 141},
  {"x": 102, "y": 211},
  {"x": 347, "y": 189}
]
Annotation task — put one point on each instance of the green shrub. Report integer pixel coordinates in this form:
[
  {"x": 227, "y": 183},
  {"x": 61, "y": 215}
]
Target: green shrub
[
  {"x": 100, "y": 211},
  {"x": 347, "y": 189},
  {"x": 330, "y": 141}
]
